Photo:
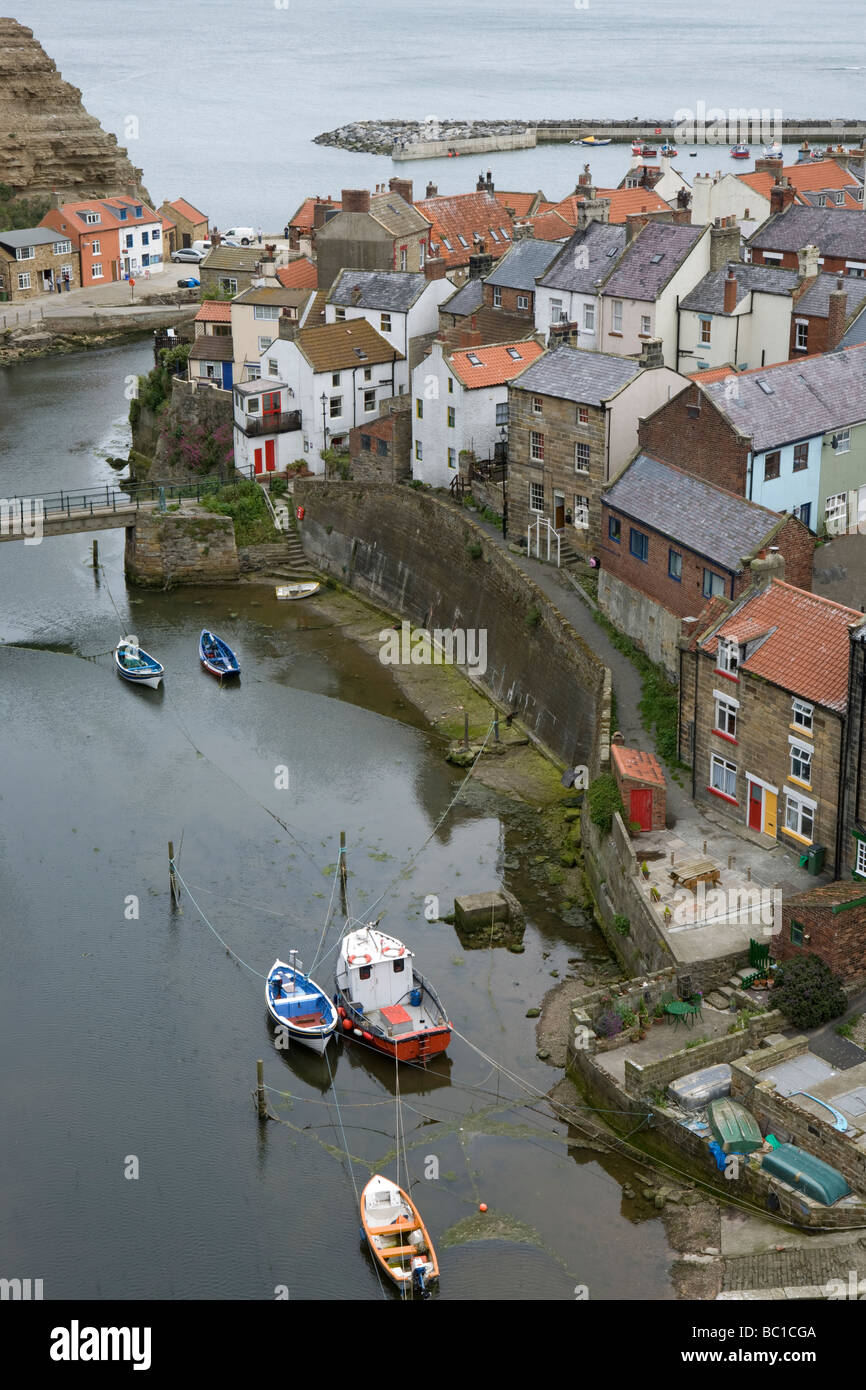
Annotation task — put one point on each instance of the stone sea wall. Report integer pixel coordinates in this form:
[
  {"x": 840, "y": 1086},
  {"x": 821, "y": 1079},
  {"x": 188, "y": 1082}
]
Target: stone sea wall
[{"x": 166, "y": 549}]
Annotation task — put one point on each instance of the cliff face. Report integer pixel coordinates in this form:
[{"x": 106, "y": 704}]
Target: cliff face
[{"x": 47, "y": 139}]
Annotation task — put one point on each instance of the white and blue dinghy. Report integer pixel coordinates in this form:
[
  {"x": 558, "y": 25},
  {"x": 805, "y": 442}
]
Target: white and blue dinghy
[
  {"x": 135, "y": 665},
  {"x": 296, "y": 1003}
]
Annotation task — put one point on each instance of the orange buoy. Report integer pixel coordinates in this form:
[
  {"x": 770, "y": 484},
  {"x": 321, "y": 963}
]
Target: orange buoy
[
  {"x": 347, "y": 1024},
  {"x": 368, "y": 1037},
  {"x": 482, "y": 1206}
]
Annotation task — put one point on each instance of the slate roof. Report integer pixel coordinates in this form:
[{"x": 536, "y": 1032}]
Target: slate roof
[
  {"x": 718, "y": 525},
  {"x": 468, "y": 298},
  {"x": 389, "y": 290},
  {"x": 210, "y": 347},
  {"x": 856, "y": 334},
  {"x": 708, "y": 295},
  {"x": 332, "y": 346},
  {"x": 520, "y": 268},
  {"x": 30, "y": 236},
  {"x": 816, "y": 301},
  {"x": 600, "y": 247},
  {"x": 833, "y": 230},
  {"x": 299, "y": 275},
  {"x": 809, "y": 397},
  {"x": 467, "y": 214},
  {"x": 495, "y": 365},
  {"x": 575, "y": 374},
  {"x": 806, "y": 648},
  {"x": 638, "y": 276},
  {"x": 398, "y": 217}
]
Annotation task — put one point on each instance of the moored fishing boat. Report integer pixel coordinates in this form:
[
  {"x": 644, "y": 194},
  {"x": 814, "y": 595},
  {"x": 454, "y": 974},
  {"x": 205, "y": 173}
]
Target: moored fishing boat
[
  {"x": 397, "y": 1237},
  {"x": 382, "y": 1000},
  {"x": 296, "y": 1003},
  {"x": 592, "y": 140},
  {"x": 669, "y": 151},
  {"x": 637, "y": 147},
  {"x": 740, "y": 152},
  {"x": 135, "y": 665},
  {"x": 217, "y": 656},
  {"x": 649, "y": 151},
  {"x": 773, "y": 151}
]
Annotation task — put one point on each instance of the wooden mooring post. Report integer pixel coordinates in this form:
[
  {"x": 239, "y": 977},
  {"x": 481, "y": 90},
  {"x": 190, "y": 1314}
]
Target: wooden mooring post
[
  {"x": 261, "y": 1102},
  {"x": 465, "y": 728},
  {"x": 172, "y": 877},
  {"x": 95, "y": 553},
  {"x": 343, "y": 873}
]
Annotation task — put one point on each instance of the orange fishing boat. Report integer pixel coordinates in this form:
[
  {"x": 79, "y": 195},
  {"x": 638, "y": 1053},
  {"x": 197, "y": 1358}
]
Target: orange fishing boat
[{"x": 398, "y": 1238}]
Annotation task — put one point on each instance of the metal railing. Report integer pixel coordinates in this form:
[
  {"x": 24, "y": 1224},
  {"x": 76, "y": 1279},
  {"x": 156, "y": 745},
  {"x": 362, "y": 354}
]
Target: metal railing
[
  {"x": 548, "y": 535},
  {"x": 285, "y": 421},
  {"x": 69, "y": 504}
]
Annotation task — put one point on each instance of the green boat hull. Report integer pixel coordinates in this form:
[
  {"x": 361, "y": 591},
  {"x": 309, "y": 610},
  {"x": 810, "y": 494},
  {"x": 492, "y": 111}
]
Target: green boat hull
[{"x": 734, "y": 1129}]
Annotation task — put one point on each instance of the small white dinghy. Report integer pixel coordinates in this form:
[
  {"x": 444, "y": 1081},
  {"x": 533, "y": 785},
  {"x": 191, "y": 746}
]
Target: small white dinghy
[
  {"x": 397, "y": 1237},
  {"x": 135, "y": 665},
  {"x": 297, "y": 590}
]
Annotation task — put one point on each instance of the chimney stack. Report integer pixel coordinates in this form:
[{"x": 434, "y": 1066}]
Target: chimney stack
[
  {"x": 480, "y": 264},
  {"x": 836, "y": 316},
  {"x": 767, "y": 566},
  {"x": 480, "y": 184},
  {"x": 781, "y": 196},
  {"x": 563, "y": 334},
  {"x": 652, "y": 353},
  {"x": 807, "y": 262},
  {"x": 435, "y": 267},
  {"x": 287, "y": 328},
  {"x": 403, "y": 187},
  {"x": 56, "y": 200},
  {"x": 592, "y": 210},
  {"x": 489, "y": 183},
  {"x": 321, "y": 208},
  {"x": 724, "y": 243},
  {"x": 432, "y": 191},
  {"x": 730, "y": 291},
  {"x": 634, "y": 223},
  {"x": 768, "y": 166},
  {"x": 356, "y": 199}
]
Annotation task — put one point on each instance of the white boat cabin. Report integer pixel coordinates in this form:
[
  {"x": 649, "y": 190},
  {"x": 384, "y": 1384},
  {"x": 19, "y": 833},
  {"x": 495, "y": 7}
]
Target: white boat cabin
[{"x": 375, "y": 970}]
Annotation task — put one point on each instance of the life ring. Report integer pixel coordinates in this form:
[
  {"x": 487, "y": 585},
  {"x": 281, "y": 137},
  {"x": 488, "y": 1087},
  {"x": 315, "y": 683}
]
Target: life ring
[
  {"x": 300, "y": 513},
  {"x": 352, "y": 959},
  {"x": 391, "y": 951}
]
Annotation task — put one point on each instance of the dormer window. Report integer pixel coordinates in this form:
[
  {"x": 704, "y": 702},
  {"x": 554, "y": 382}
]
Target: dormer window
[
  {"x": 803, "y": 716},
  {"x": 139, "y": 212},
  {"x": 91, "y": 218},
  {"x": 728, "y": 658}
]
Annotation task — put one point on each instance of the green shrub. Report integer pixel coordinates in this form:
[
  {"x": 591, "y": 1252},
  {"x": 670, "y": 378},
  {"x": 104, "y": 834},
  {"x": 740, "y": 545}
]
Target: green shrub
[
  {"x": 533, "y": 618},
  {"x": 279, "y": 487},
  {"x": 604, "y": 801},
  {"x": 629, "y": 1018},
  {"x": 621, "y": 924},
  {"x": 609, "y": 1024},
  {"x": 808, "y": 993},
  {"x": 474, "y": 550}
]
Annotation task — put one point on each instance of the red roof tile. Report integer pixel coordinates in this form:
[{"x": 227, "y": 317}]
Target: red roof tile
[
  {"x": 299, "y": 275},
  {"x": 214, "y": 311},
  {"x": 814, "y": 176},
  {"x": 465, "y": 215},
  {"x": 186, "y": 210},
  {"x": 713, "y": 374},
  {"x": 550, "y": 226},
  {"x": 640, "y": 766},
  {"x": 303, "y": 218},
  {"x": 521, "y": 203},
  {"x": 623, "y": 201},
  {"x": 495, "y": 363},
  {"x": 806, "y": 646}
]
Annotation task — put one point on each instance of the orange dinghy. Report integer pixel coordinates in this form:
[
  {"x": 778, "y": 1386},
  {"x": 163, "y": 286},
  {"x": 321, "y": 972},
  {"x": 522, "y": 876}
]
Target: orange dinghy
[{"x": 398, "y": 1238}]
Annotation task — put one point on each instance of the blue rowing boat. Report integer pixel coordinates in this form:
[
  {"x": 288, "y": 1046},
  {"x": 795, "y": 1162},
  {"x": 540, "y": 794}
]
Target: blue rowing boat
[
  {"x": 217, "y": 656},
  {"x": 296, "y": 1003},
  {"x": 135, "y": 665}
]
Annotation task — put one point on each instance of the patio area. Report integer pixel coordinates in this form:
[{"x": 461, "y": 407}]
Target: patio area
[{"x": 664, "y": 1038}]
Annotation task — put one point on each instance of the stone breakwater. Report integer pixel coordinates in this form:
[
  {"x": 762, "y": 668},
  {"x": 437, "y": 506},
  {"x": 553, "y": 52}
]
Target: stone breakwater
[{"x": 384, "y": 137}]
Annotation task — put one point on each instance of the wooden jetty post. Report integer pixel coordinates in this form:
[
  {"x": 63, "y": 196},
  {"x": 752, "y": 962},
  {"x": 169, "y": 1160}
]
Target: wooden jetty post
[
  {"x": 95, "y": 553},
  {"x": 261, "y": 1103},
  {"x": 343, "y": 874},
  {"x": 172, "y": 878},
  {"x": 465, "y": 728},
  {"x": 496, "y": 728}
]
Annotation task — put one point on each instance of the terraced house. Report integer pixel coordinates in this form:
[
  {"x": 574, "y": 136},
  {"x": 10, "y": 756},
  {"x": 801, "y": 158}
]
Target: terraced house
[
  {"x": 33, "y": 261},
  {"x": 764, "y": 695},
  {"x": 114, "y": 237}
]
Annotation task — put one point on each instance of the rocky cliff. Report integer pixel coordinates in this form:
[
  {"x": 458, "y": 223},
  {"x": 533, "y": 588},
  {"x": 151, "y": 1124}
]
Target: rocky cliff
[{"x": 47, "y": 139}]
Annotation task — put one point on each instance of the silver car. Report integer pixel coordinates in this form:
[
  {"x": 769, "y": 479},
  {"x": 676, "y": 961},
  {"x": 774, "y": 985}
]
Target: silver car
[{"x": 188, "y": 253}]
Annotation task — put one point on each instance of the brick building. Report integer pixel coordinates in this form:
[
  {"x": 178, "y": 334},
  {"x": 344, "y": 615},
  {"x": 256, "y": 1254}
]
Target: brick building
[
  {"x": 511, "y": 284},
  {"x": 671, "y": 541},
  {"x": 830, "y": 922},
  {"x": 33, "y": 261},
  {"x": 641, "y": 781},
  {"x": 839, "y": 236},
  {"x": 190, "y": 225},
  {"x": 115, "y": 237},
  {"x": 763, "y": 702},
  {"x": 380, "y": 452},
  {"x": 465, "y": 223}
]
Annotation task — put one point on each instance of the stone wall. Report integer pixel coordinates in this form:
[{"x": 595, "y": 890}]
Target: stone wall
[
  {"x": 190, "y": 546},
  {"x": 410, "y": 551},
  {"x": 641, "y": 1081},
  {"x": 190, "y": 409},
  {"x": 650, "y": 626}
]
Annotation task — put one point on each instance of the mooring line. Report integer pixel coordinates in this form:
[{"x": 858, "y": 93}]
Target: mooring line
[{"x": 212, "y": 927}]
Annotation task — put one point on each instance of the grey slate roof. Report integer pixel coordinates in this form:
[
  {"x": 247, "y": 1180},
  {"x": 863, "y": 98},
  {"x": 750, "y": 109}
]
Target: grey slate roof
[
  {"x": 835, "y": 231},
  {"x": 708, "y": 296},
  {"x": 397, "y": 216},
  {"x": 212, "y": 347},
  {"x": 856, "y": 334},
  {"x": 31, "y": 236},
  {"x": 520, "y": 267},
  {"x": 575, "y": 374},
  {"x": 586, "y": 259},
  {"x": 637, "y": 276},
  {"x": 465, "y": 300},
  {"x": 692, "y": 513},
  {"x": 393, "y": 291},
  {"x": 808, "y": 398},
  {"x": 816, "y": 300}
]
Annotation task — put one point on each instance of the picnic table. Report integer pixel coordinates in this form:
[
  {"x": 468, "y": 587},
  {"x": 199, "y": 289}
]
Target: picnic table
[
  {"x": 695, "y": 871},
  {"x": 684, "y": 1011}
]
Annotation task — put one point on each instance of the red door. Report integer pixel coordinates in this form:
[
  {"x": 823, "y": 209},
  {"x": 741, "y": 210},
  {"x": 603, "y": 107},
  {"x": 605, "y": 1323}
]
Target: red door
[
  {"x": 755, "y": 805},
  {"x": 641, "y": 807},
  {"x": 258, "y": 460},
  {"x": 270, "y": 456}
]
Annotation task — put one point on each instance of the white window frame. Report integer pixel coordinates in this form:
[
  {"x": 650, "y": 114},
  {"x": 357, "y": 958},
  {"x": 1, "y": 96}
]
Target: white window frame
[
  {"x": 497, "y": 297},
  {"x": 800, "y": 809},
  {"x": 728, "y": 656},
  {"x": 537, "y": 405},
  {"x": 335, "y": 413},
  {"x": 384, "y": 323},
  {"x": 843, "y": 442},
  {"x": 536, "y": 491},
  {"x": 706, "y": 333},
  {"x": 96, "y": 248},
  {"x": 264, "y": 344},
  {"x": 369, "y": 400},
  {"x": 801, "y": 756},
  {"x": 836, "y": 513},
  {"x": 452, "y": 458},
  {"x": 616, "y": 316},
  {"x": 557, "y": 311},
  {"x": 726, "y": 771},
  {"x": 581, "y": 457},
  {"x": 802, "y": 710},
  {"x": 228, "y": 284},
  {"x": 25, "y": 253},
  {"x": 589, "y": 318},
  {"x": 91, "y": 219},
  {"x": 96, "y": 271},
  {"x": 580, "y": 514},
  {"x": 860, "y": 859},
  {"x": 273, "y": 367},
  {"x": 24, "y": 280},
  {"x": 726, "y": 714},
  {"x": 501, "y": 414},
  {"x": 419, "y": 450},
  {"x": 536, "y": 446},
  {"x": 801, "y": 338},
  {"x": 523, "y": 301},
  {"x": 266, "y": 311},
  {"x": 62, "y": 248},
  {"x": 646, "y": 325}
]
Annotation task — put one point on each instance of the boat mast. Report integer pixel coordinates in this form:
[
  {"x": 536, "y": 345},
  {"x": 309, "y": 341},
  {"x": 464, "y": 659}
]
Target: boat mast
[{"x": 292, "y": 955}]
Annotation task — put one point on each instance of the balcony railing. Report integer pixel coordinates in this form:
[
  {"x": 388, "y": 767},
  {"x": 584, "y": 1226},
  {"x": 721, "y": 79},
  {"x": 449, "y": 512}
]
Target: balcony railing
[{"x": 283, "y": 423}]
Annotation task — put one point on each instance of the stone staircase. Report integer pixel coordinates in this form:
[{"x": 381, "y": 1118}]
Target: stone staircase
[
  {"x": 297, "y": 567},
  {"x": 568, "y": 556}
]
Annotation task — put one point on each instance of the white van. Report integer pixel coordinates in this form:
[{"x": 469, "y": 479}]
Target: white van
[
  {"x": 203, "y": 246},
  {"x": 245, "y": 235}
]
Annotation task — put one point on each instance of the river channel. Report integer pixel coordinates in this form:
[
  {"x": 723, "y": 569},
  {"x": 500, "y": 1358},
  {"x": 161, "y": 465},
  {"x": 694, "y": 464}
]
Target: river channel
[{"x": 136, "y": 1036}]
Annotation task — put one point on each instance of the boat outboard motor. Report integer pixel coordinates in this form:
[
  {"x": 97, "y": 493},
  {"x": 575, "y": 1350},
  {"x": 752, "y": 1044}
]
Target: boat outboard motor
[{"x": 419, "y": 1270}]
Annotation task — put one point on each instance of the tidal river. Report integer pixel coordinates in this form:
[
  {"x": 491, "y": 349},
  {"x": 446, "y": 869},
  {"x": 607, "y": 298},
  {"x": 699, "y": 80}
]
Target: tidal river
[{"x": 130, "y": 1036}]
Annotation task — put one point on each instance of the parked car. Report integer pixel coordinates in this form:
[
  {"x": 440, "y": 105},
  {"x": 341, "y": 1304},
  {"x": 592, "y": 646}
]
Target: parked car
[
  {"x": 187, "y": 253},
  {"x": 244, "y": 235}
]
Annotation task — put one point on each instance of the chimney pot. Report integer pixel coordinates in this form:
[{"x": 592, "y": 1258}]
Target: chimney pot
[
  {"x": 730, "y": 292},
  {"x": 356, "y": 199}
]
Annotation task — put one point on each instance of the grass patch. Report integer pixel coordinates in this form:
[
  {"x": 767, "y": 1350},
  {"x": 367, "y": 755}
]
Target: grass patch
[
  {"x": 659, "y": 703},
  {"x": 245, "y": 503}
]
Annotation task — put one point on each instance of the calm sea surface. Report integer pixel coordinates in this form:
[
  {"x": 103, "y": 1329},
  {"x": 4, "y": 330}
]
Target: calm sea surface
[{"x": 226, "y": 97}]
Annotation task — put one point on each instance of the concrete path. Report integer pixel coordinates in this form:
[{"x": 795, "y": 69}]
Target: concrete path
[{"x": 839, "y": 1052}]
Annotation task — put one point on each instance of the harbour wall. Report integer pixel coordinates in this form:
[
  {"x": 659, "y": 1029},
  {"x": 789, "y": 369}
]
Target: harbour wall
[
  {"x": 423, "y": 558},
  {"x": 480, "y": 144}
]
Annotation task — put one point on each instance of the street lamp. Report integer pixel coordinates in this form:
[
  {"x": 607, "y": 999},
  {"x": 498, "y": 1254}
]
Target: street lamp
[
  {"x": 324, "y": 426},
  {"x": 503, "y": 439}
]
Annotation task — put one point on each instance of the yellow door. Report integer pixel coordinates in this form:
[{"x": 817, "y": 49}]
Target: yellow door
[{"x": 770, "y": 813}]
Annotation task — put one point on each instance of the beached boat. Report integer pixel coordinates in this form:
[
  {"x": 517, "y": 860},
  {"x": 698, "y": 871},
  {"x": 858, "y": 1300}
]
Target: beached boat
[
  {"x": 740, "y": 152},
  {"x": 217, "y": 656},
  {"x": 733, "y": 1127},
  {"x": 397, "y": 1237},
  {"x": 382, "y": 1000},
  {"x": 135, "y": 665},
  {"x": 297, "y": 590},
  {"x": 296, "y": 1003}
]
